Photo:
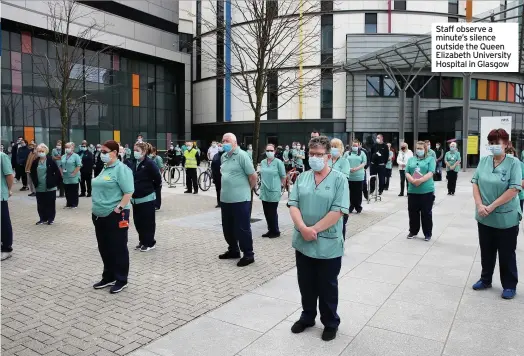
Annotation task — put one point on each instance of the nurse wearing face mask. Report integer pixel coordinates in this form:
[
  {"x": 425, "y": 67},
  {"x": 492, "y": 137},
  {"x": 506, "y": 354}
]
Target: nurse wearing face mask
[
  {"x": 273, "y": 176},
  {"x": 452, "y": 162},
  {"x": 317, "y": 204},
  {"x": 147, "y": 180},
  {"x": 496, "y": 184},
  {"x": 357, "y": 162},
  {"x": 287, "y": 161},
  {"x": 178, "y": 155},
  {"x": 86, "y": 172},
  {"x": 299, "y": 157},
  {"x": 112, "y": 191},
  {"x": 421, "y": 191},
  {"x": 70, "y": 170},
  {"x": 46, "y": 177},
  {"x": 340, "y": 164}
]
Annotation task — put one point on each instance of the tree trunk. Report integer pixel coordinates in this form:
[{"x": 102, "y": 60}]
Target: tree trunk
[
  {"x": 64, "y": 121},
  {"x": 256, "y": 140}
]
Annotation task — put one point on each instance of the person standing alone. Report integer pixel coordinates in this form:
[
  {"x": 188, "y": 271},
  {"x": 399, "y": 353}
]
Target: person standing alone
[
  {"x": 86, "y": 172},
  {"x": 191, "y": 162},
  {"x": 379, "y": 158}
]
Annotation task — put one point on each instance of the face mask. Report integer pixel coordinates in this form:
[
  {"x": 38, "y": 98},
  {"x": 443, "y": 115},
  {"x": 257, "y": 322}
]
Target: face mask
[
  {"x": 227, "y": 147},
  {"x": 496, "y": 149},
  {"x": 105, "y": 157},
  {"x": 452, "y": 149},
  {"x": 220, "y": 149},
  {"x": 98, "y": 148},
  {"x": 429, "y": 147},
  {"x": 41, "y": 154},
  {"x": 509, "y": 155},
  {"x": 150, "y": 156},
  {"x": 438, "y": 147},
  {"x": 82, "y": 148},
  {"x": 137, "y": 155},
  {"x": 294, "y": 147},
  {"x": 287, "y": 148},
  {"x": 140, "y": 140},
  {"x": 189, "y": 146},
  {"x": 214, "y": 145},
  {"x": 335, "y": 152},
  {"x": 354, "y": 148},
  {"x": 250, "y": 148},
  {"x": 22, "y": 144},
  {"x": 298, "y": 147},
  {"x": 58, "y": 147},
  {"x": 316, "y": 164},
  {"x": 171, "y": 148},
  {"x": 420, "y": 153},
  {"x": 270, "y": 154},
  {"x": 67, "y": 150}
]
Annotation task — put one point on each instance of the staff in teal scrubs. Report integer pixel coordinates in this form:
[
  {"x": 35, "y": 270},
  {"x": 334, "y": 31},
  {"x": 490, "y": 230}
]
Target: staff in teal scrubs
[
  {"x": 57, "y": 157},
  {"x": 496, "y": 184},
  {"x": 299, "y": 156},
  {"x": 287, "y": 161},
  {"x": 70, "y": 169},
  {"x": 339, "y": 164},
  {"x": 511, "y": 152},
  {"x": 7, "y": 178},
  {"x": 45, "y": 175},
  {"x": 273, "y": 176},
  {"x": 357, "y": 159},
  {"x": 421, "y": 191},
  {"x": 112, "y": 191},
  {"x": 317, "y": 204},
  {"x": 452, "y": 161},
  {"x": 160, "y": 164}
]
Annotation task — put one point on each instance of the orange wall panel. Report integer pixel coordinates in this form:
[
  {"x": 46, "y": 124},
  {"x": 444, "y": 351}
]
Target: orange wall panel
[
  {"x": 29, "y": 133},
  {"x": 493, "y": 90},
  {"x": 116, "y": 135},
  {"x": 136, "y": 97},
  {"x": 511, "y": 92},
  {"x": 135, "y": 81},
  {"x": 502, "y": 91},
  {"x": 482, "y": 86}
]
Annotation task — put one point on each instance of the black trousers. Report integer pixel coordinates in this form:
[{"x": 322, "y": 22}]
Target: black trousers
[
  {"x": 112, "y": 245},
  {"x": 379, "y": 169},
  {"x": 46, "y": 205},
  {"x": 403, "y": 181},
  {"x": 7, "y": 228},
  {"x": 365, "y": 185},
  {"x": 218, "y": 187},
  {"x": 344, "y": 222},
  {"x": 191, "y": 180},
  {"x": 158, "y": 200},
  {"x": 355, "y": 195},
  {"x": 20, "y": 174},
  {"x": 387, "y": 177},
  {"x": 71, "y": 193},
  {"x": 145, "y": 223},
  {"x": 503, "y": 241},
  {"x": 420, "y": 207},
  {"x": 271, "y": 214},
  {"x": 236, "y": 226},
  {"x": 61, "y": 188},
  {"x": 85, "y": 183},
  {"x": 452, "y": 181},
  {"x": 318, "y": 280}
]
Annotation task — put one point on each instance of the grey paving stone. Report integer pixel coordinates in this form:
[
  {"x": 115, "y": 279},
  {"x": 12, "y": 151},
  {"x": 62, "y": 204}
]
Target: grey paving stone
[
  {"x": 446, "y": 259},
  {"x": 204, "y": 337},
  {"x": 242, "y": 311},
  {"x": 437, "y": 295},
  {"x": 364, "y": 291},
  {"x": 414, "y": 319},
  {"x": 445, "y": 276},
  {"x": 402, "y": 245},
  {"x": 394, "y": 259},
  {"x": 283, "y": 287},
  {"x": 377, "y": 342},
  {"x": 379, "y": 273}
]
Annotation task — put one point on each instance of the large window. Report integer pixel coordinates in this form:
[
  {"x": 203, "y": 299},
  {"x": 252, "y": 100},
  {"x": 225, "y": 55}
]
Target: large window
[
  {"x": 453, "y": 7},
  {"x": 399, "y": 5},
  {"x": 272, "y": 96},
  {"x": 370, "y": 23},
  {"x": 326, "y": 109},
  {"x": 373, "y": 85}
]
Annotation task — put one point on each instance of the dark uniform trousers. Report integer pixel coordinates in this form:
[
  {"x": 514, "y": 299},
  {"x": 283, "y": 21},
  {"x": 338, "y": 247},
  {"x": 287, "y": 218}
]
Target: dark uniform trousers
[
  {"x": 318, "y": 280},
  {"x": 218, "y": 187},
  {"x": 355, "y": 195},
  {"x": 7, "y": 228},
  {"x": 452, "y": 181},
  {"x": 145, "y": 223},
  {"x": 85, "y": 183},
  {"x": 46, "y": 205},
  {"x": 236, "y": 225},
  {"x": 71, "y": 193},
  {"x": 112, "y": 244},
  {"x": 420, "y": 207},
  {"x": 403, "y": 181},
  {"x": 271, "y": 214},
  {"x": 503, "y": 241},
  {"x": 191, "y": 179},
  {"x": 158, "y": 200},
  {"x": 380, "y": 170}
]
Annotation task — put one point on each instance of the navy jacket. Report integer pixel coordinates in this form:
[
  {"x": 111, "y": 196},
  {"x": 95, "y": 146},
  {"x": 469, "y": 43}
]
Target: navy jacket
[
  {"x": 52, "y": 178},
  {"x": 147, "y": 177},
  {"x": 215, "y": 167},
  {"x": 99, "y": 165},
  {"x": 21, "y": 155},
  {"x": 88, "y": 162}
]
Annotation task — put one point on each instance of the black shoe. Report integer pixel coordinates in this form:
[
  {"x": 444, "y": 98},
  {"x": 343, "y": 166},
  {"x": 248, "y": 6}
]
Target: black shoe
[
  {"x": 217, "y": 206},
  {"x": 273, "y": 236},
  {"x": 329, "y": 333},
  {"x": 401, "y": 195},
  {"x": 267, "y": 234},
  {"x": 138, "y": 247},
  {"x": 187, "y": 192},
  {"x": 31, "y": 195},
  {"x": 411, "y": 236},
  {"x": 82, "y": 195},
  {"x": 245, "y": 261},
  {"x": 23, "y": 189},
  {"x": 50, "y": 222},
  {"x": 88, "y": 195},
  {"x": 427, "y": 238},
  {"x": 40, "y": 222},
  {"x": 103, "y": 283},
  {"x": 228, "y": 255},
  {"x": 300, "y": 326},
  {"x": 380, "y": 193},
  {"x": 118, "y": 287},
  {"x": 359, "y": 211},
  {"x": 195, "y": 193}
]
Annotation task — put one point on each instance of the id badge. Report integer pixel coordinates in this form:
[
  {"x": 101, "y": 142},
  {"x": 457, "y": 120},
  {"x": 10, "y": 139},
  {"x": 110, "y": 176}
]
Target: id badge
[
  {"x": 122, "y": 224},
  {"x": 64, "y": 170}
]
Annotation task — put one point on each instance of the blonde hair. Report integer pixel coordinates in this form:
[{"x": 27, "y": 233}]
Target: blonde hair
[
  {"x": 42, "y": 145},
  {"x": 338, "y": 144},
  {"x": 423, "y": 144},
  {"x": 70, "y": 144}
]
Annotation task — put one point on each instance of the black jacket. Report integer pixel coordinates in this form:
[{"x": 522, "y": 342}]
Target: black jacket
[
  {"x": 52, "y": 178},
  {"x": 215, "y": 167},
  {"x": 99, "y": 165},
  {"x": 171, "y": 157},
  {"x": 147, "y": 177},
  {"x": 21, "y": 155},
  {"x": 379, "y": 153},
  {"x": 88, "y": 161}
]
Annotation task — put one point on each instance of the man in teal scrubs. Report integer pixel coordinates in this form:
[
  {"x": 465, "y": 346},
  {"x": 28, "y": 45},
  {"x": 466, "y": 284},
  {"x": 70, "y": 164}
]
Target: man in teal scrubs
[
  {"x": 238, "y": 179},
  {"x": 70, "y": 168},
  {"x": 317, "y": 204},
  {"x": 452, "y": 161},
  {"x": 7, "y": 179},
  {"x": 357, "y": 162}
]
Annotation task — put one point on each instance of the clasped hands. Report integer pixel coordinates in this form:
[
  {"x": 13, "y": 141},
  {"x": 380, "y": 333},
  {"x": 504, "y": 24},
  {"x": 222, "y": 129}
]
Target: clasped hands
[
  {"x": 484, "y": 210},
  {"x": 416, "y": 182},
  {"x": 308, "y": 233}
]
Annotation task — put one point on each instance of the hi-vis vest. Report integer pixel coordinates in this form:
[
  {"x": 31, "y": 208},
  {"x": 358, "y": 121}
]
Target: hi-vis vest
[{"x": 191, "y": 161}]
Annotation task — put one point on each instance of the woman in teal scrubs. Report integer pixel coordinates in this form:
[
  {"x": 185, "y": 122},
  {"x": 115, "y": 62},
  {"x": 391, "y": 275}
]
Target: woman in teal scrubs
[
  {"x": 357, "y": 162},
  {"x": 273, "y": 176},
  {"x": 339, "y": 164},
  {"x": 421, "y": 191},
  {"x": 452, "y": 162},
  {"x": 317, "y": 204},
  {"x": 299, "y": 157},
  {"x": 111, "y": 193},
  {"x": 70, "y": 169},
  {"x": 45, "y": 175},
  {"x": 496, "y": 184}
]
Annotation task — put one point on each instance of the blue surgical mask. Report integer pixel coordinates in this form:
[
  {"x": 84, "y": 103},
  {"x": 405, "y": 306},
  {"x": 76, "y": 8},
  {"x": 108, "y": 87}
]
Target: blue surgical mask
[
  {"x": 420, "y": 153},
  {"x": 82, "y": 148},
  {"x": 105, "y": 157},
  {"x": 335, "y": 152},
  {"x": 270, "y": 154},
  {"x": 496, "y": 149},
  {"x": 354, "y": 148},
  {"x": 137, "y": 155},
  {"x": 317, "y": 164},
  {"x": 41, "y": 154},
  {"x": 452, "y": 149},
  {"x": 227, "y": 147},
  {"x": 509, "y": 155}
]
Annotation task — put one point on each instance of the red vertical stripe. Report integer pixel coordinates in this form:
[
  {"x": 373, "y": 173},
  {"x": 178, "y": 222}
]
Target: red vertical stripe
[
  {"x": 389, "y": 16},
  {"x": 116, "y": 62},
  {"x": 16, "y": 81},
  {"x": 26, "y": 43},
  {"x": 16, "y": 61}
]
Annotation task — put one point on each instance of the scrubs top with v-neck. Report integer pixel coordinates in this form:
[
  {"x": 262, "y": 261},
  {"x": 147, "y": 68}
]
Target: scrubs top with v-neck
[
  {"x": 341, "y": 165},
  {"x": 423, "y": 166},
  {"x": 271, "y": 180},
  {"x": 69, "y": 164},
  {"x": 495, "y": 181},
  {"x": 315, "y": 202},
  {"x": 356, "y": 160}
]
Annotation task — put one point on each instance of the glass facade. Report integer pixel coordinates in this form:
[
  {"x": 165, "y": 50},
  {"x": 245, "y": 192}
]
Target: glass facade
[{"x": 126, "y": 93}]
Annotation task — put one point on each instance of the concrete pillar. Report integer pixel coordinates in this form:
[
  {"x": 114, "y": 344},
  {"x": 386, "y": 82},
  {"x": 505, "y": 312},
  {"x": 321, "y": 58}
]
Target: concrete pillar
[
  {"x": 465, "y": 118},
  {"x": 416, "y": 118},
  {"x": 401, "y": 116}
]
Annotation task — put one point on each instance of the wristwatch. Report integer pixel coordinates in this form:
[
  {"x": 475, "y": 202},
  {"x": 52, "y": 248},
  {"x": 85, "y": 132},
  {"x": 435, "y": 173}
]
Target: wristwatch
[{"x": 120, "y": 208}]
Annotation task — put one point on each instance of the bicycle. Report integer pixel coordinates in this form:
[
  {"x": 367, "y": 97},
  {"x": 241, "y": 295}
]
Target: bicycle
[
  {"x": 205, "y": 179},
  {"x": 292, "y": 176},
  {"x": 175, "y": 173},
  {"x": 256, "y": 190}
]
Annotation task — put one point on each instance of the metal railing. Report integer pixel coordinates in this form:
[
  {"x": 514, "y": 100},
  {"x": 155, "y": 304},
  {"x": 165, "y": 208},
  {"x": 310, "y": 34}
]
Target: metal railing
[{"x": 373, "y": 195}]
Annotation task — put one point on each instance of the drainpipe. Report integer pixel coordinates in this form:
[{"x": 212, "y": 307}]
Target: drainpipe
[{"x": 352, "y": 106}]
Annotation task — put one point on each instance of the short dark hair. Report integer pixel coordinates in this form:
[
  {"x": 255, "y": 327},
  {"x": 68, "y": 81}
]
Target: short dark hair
[
  {"x": 497, "y": 135},
  {"x": 320, "y": 141},
  {"x": 112, "y": 145}
]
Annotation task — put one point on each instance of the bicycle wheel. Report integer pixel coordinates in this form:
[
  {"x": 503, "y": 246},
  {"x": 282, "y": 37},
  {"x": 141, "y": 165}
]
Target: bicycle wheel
[
  {"x": 175, "y": 175},
  {"x": 204, "y": 181}
]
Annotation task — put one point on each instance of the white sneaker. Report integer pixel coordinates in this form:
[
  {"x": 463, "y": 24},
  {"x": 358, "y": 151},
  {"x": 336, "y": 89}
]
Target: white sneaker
[{"x": 6, "y": 255}]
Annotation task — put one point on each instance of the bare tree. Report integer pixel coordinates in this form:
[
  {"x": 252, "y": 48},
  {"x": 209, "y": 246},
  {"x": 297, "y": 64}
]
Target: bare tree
[
  {"x": 265, "y": 38},
  {"x": 67, "y": 66}
]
